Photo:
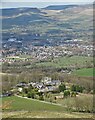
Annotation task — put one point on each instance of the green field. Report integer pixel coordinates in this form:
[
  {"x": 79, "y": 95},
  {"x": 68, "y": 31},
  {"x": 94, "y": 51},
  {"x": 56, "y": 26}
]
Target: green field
[
  {"x": 15, "y": 107},
  {"x": 18, "y": 104},
  {"x": 85, "y": 72},
  {"x": 65, "y": 61}
]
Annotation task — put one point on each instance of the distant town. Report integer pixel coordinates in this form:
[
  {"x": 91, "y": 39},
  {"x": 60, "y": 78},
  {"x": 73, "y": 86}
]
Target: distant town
[{"x": 14, "y": 49}]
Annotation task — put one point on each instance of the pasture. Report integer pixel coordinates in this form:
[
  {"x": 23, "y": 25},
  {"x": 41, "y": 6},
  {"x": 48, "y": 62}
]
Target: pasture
[
  {"x": 74, "y": 61},
  {"x": 85, "y": 72},
  {"x": 15, "y": 107},
  {"x": 20, "y": 104}
]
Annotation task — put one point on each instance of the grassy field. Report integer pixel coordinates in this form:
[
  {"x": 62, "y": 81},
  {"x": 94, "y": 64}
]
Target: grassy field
[
  {"x": 15, "y": 107},
  {"x": 85, "y": 72},
  {"x": 17, "y": 104},
  {"x": 68, "y": 61}
]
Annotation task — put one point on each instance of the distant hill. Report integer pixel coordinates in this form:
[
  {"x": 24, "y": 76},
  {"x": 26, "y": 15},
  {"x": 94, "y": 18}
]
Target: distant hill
[
  {"x": 59, "y": 7},
  {"x": 48, "y": 25},
  {"x": 16, "y": 11}
]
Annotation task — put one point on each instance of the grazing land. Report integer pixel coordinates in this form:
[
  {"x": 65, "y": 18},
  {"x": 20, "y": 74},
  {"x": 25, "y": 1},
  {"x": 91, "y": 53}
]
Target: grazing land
[
  {"x": 18, "y": 104},
  {"x": 73, "y": 61},
  {"x": 85, "y": 72},
  {"x": 15, "y": 107}
]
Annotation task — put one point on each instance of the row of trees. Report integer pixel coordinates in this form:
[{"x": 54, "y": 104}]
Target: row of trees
[
  {"x": 74, "y": 88},
  {"x": 77, "y": 88},
  {"x": 72, "y": 91}
]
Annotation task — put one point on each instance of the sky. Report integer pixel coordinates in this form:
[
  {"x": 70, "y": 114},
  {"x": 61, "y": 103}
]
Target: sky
[{"x": 39, "y": 3}]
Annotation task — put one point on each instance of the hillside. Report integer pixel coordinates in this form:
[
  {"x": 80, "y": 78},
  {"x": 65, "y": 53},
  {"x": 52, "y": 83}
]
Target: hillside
[
  {"x": 15, "y": 107},
  {"x": 59, "y": 7},
  {"x": 48, "y": 26}
]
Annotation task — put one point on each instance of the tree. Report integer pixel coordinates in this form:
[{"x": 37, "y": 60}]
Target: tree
[
  {"x": 41, "y": 97},
  {"x": 25, "y": 90},
  {"x": 77, "y": 88},
  {"x": 73, "y": 88},
  {"x": 66, "y": 93},
  {"x": 31, "y": 94},
  {"x": 62, "y": 87},
  {"x": 73, "y": 94}
]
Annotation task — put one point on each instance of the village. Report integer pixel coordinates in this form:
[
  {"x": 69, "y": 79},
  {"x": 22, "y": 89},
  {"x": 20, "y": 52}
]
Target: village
[
  {"x": 12, "y": 53},
  {"x": 45, "y": 90},
  {"x": 46, "y": 85}
]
